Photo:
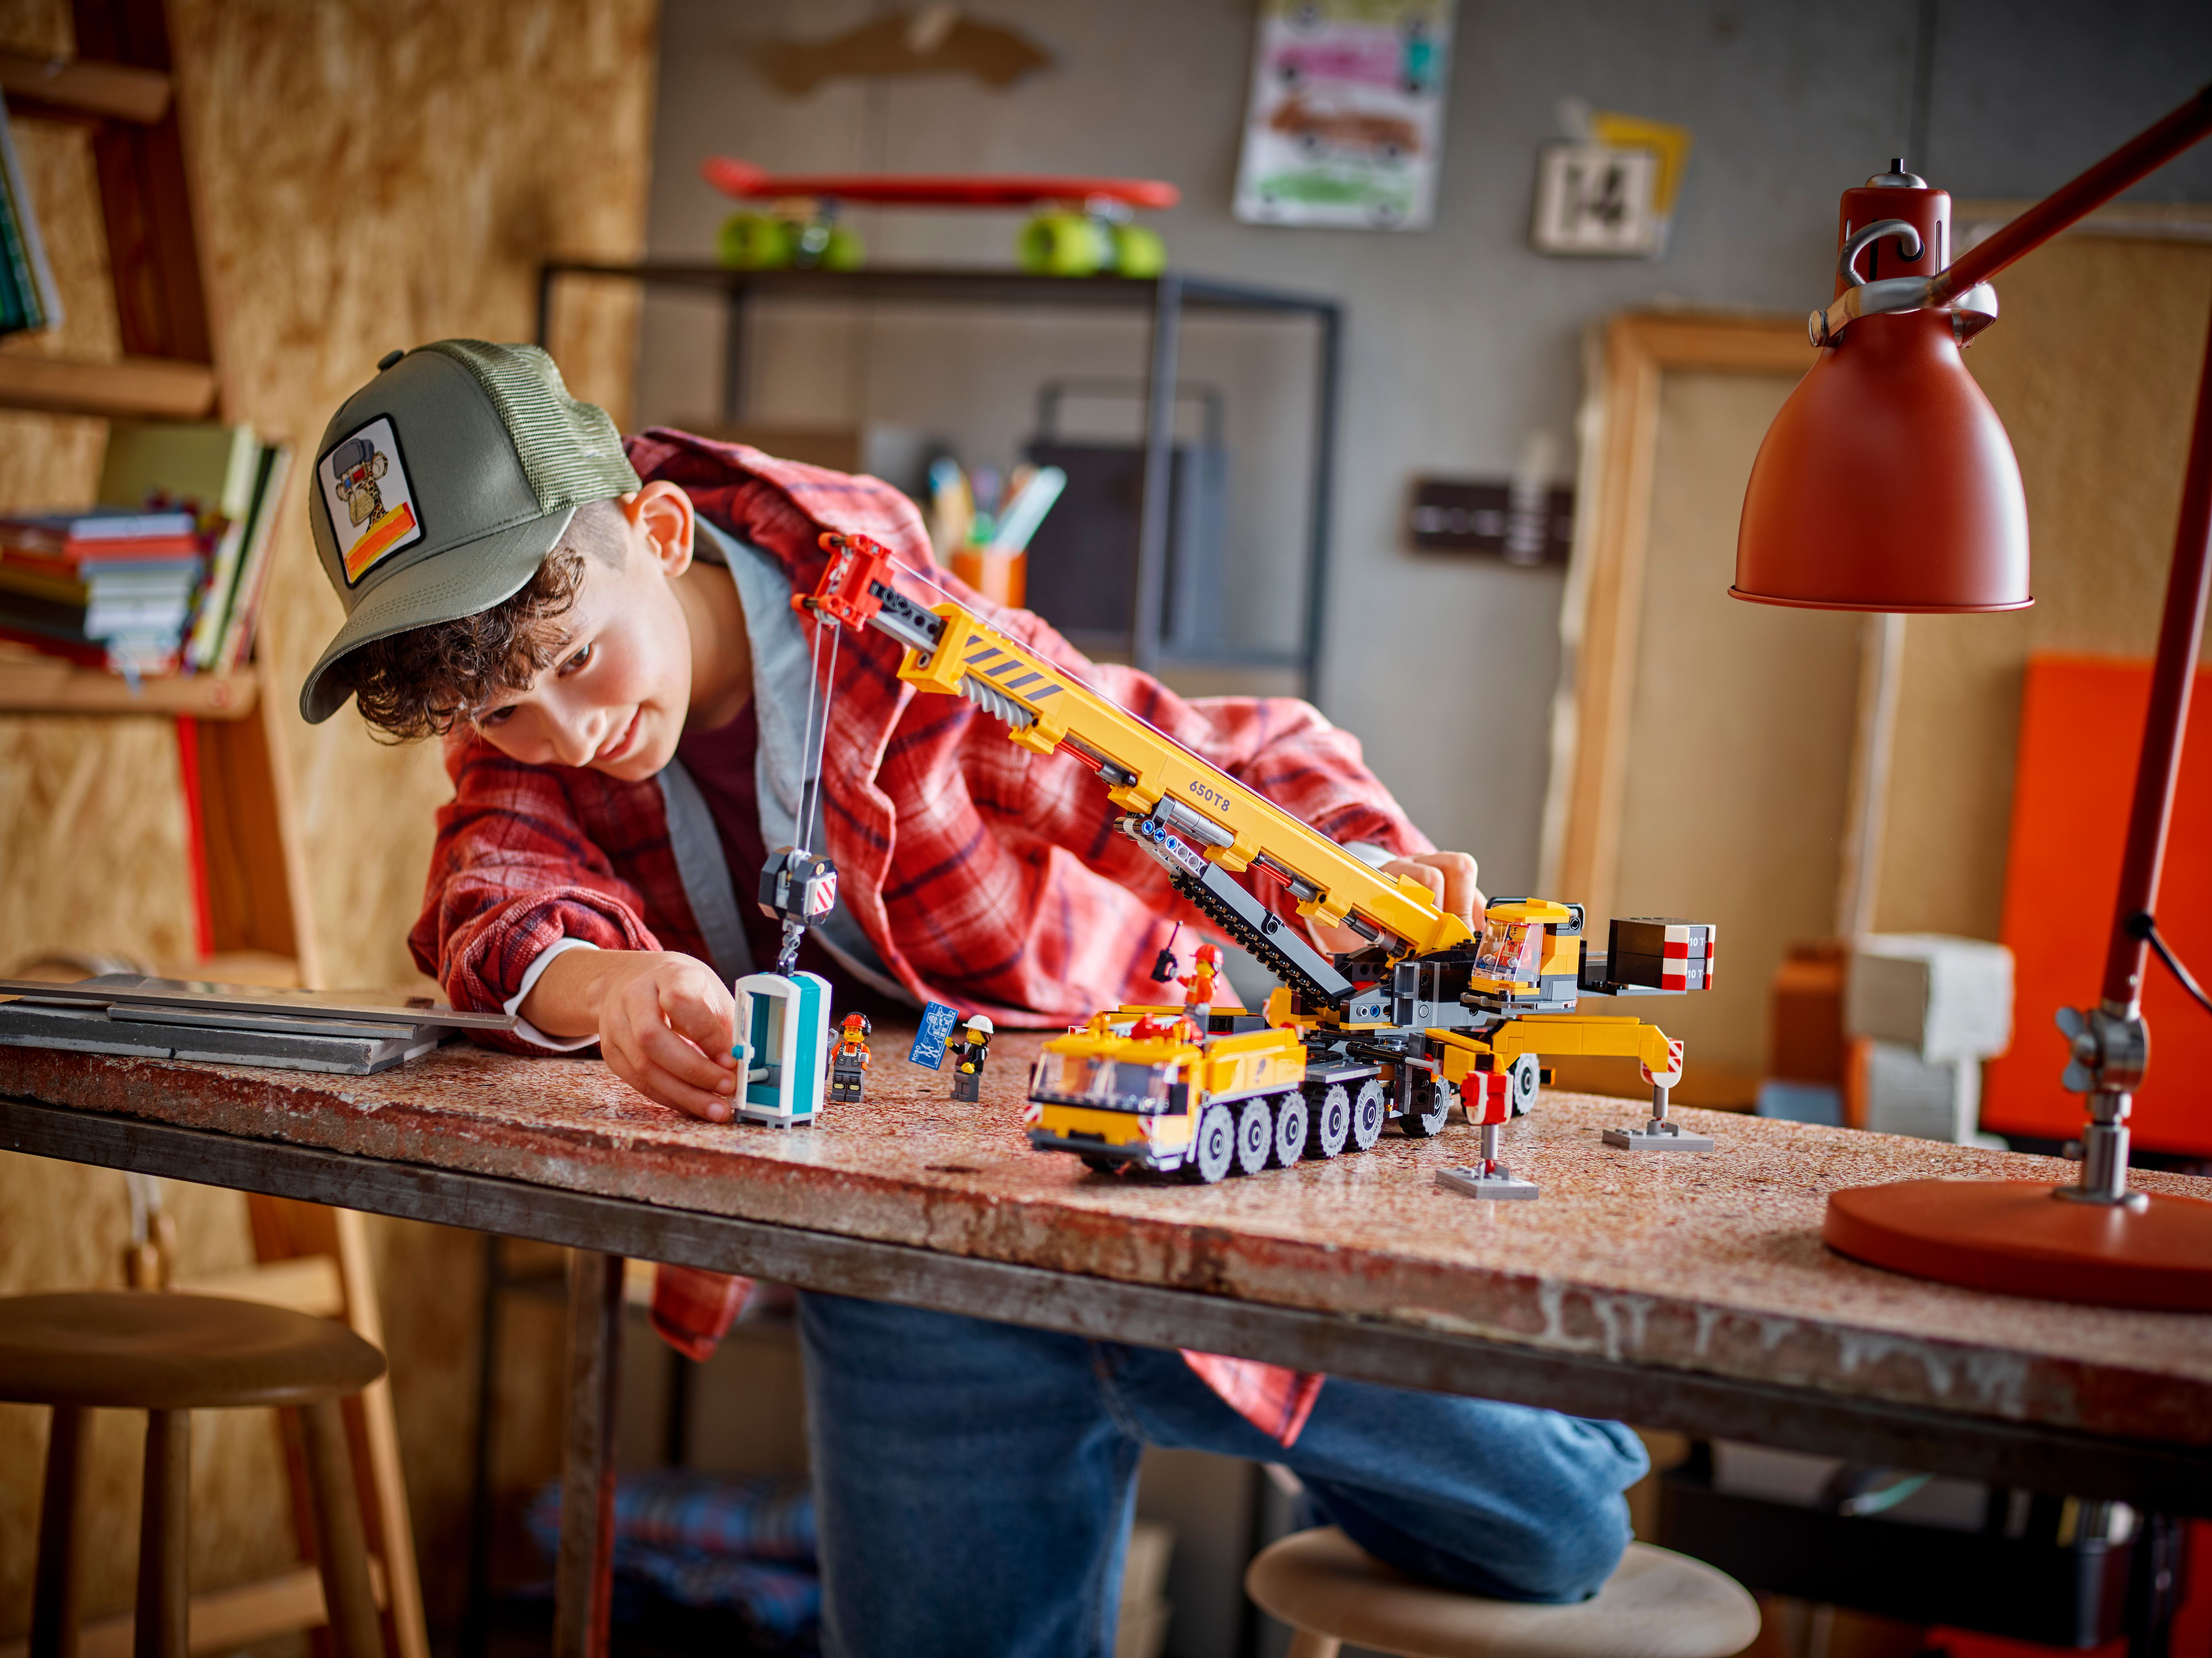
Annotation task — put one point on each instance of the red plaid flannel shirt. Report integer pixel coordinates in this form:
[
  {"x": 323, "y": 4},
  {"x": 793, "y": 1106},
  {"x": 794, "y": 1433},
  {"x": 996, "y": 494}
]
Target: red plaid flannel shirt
[{"x": 985, "y": 876}]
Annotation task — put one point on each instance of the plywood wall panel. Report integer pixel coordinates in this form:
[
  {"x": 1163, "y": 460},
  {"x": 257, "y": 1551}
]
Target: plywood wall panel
[
  {"x": 373, "y": 177},
  {"x": 40, "y": 27},
  {"x": 2092, "y": 368},
  {"x": 68, "y": 786},
  {"x": 368, "y": 176},
  {"x": 335, "y": 225}
]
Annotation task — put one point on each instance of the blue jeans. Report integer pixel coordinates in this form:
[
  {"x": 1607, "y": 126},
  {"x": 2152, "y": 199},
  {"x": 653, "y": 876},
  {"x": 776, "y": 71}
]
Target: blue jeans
[{"x": 975, "y": 1481}]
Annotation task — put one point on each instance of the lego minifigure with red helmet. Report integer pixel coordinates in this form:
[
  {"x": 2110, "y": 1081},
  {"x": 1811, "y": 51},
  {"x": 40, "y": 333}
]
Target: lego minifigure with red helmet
[{"x": 849, "y": 1060}]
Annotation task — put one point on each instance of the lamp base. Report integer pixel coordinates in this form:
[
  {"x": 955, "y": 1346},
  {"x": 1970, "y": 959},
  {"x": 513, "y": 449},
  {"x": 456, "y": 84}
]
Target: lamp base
[{"x": 2015, "y": 1238}]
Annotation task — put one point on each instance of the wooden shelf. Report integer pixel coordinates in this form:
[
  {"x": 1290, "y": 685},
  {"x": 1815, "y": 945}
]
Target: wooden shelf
[
  {"x": 248, "y": 876},
  {"x": 44, "y": 684},
  {"x": 118, "y": 92},
  {"x": 161, "y": 388}
]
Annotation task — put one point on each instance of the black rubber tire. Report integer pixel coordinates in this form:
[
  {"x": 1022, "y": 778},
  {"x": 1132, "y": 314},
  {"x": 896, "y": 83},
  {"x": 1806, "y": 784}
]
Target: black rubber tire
[
  {"x": 1103, "y": 1165},
  {"x": 1255, "y": 1136},
  {"x": 1290, "y": 1114},
  {"x": 1367, "y": 1115},
  {"x": 1328, "y": 1120},
  {"x": 1432, "y": 1102},
  {"x": 1520, "y": 1082},
  {"x": 1213, "y": 1151}
]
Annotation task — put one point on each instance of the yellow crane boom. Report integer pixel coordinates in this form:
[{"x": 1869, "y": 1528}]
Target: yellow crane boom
[{"x": 1175, "y": 794}]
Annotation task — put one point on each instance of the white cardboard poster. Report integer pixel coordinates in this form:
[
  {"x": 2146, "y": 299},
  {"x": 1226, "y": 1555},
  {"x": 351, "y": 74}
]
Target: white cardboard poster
[{"x": 1346, "y": 113}]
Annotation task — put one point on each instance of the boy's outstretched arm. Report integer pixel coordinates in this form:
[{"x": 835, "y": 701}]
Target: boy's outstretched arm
[
  {"x": 664, "y": 1021},
  {"x": 517, "y": 874}
]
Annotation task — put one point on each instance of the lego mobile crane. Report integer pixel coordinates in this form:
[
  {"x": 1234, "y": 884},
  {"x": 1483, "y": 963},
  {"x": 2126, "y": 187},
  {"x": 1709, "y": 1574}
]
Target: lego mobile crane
[{"x": 1427, "y": 1015}]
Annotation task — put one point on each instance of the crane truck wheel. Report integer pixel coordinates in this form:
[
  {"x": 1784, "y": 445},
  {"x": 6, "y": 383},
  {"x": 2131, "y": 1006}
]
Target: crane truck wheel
[
  {"x": 1213, "y": 1149},
  {"x": 1290, "y": 1128},
  {"x": 1521, "y": 1083},
  {"x": 1367, "y": 1115},
  {"x": 1329, "y": 1123},
  {"x": 1255, "y": 1136},
  {"x": 1432, "y": 1099}
]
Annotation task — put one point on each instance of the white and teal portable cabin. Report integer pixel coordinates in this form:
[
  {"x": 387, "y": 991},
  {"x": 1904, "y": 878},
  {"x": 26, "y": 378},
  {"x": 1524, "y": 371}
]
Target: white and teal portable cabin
[{"x": 783, "y": 1045}]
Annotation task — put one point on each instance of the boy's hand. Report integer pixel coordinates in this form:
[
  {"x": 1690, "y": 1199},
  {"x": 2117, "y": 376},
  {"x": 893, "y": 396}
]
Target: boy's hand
[
  {"x": 1450, "y": 876},
  {"x": 666, "y": 1022},
  {"x": 665, "y": 1027}
]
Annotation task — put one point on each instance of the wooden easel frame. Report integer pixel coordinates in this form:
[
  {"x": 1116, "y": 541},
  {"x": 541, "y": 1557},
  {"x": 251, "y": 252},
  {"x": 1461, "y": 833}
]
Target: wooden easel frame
[{"x": 1604, "y": 599}]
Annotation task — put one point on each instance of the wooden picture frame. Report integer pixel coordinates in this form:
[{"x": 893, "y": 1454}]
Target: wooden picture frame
[{"x": 1604, "y": 597}]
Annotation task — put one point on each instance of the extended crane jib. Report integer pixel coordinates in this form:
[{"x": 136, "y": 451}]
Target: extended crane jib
[{"x": 1145, "y": 771}]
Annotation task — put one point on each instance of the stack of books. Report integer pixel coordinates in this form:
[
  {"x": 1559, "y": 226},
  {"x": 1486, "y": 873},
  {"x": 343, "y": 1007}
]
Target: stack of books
[
  {"x": 103, "y": 587},
  {"x": 28, "y": 300},
  {"x": 165, "y": 575}
]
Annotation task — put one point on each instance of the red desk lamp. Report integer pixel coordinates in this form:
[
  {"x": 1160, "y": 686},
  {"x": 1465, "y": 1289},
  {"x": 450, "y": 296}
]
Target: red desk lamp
[{"x": 1886, "y": 483}]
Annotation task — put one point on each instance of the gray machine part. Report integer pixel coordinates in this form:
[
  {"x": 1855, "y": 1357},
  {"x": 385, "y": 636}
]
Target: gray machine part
[
  {"x": 1659, "y": 1134},
  {"x": 1473, "y": 1183},
  {"x": 1488, "y": 1178}
]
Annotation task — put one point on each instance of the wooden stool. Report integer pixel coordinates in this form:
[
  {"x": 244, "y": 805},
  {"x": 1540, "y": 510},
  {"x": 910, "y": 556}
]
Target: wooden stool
[
  {"x": 1655, "y": 1605},
  {"x": 170, "y": 1356}
]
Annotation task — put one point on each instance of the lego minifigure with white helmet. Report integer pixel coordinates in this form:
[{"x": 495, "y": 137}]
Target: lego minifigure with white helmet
[{"x": 968, "y": 1049}]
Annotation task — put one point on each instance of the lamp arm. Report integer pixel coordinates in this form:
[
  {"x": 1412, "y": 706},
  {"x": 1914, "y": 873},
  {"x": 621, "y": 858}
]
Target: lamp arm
[
  {"x": 2144, "y": 154},
  {"x": 2186, "y": 586}
]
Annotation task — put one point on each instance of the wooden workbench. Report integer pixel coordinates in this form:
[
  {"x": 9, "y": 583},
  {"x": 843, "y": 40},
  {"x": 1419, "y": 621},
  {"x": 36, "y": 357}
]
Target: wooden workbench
[{"x": 1676, "y": 1291}]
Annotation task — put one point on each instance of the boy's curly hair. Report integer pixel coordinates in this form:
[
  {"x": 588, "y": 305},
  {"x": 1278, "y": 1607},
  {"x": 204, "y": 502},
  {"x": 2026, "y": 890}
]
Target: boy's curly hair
[{"x": 426, "y": 681}]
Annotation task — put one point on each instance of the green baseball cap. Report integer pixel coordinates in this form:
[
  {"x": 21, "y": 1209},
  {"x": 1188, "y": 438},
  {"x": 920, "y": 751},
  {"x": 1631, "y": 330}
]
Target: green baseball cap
[{"x": 441, "y": 485}]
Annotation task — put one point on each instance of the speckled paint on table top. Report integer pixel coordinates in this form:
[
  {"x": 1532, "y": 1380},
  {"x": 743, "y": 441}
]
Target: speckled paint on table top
[{"x": 1710, "y": 1263}]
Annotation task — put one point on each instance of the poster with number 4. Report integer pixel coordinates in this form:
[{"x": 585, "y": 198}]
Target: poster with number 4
[
  {"x": 1610, "y": 190},
  {"x": 1593, "y": 198}
]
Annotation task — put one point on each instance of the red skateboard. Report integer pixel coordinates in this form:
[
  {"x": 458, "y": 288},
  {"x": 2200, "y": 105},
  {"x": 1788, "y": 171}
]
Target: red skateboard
[{"x": 1082, "y": 225}]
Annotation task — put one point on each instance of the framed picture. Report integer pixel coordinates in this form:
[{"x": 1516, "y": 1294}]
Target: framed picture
[{"x": 1596, "y": 199}]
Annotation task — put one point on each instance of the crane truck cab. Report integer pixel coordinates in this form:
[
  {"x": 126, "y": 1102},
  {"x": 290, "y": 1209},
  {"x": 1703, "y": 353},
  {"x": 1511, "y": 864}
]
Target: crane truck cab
[{"x": 1145, "y": 1087}]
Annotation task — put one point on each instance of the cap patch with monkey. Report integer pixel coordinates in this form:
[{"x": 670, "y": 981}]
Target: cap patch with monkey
[{"x": 367, "y": 488}]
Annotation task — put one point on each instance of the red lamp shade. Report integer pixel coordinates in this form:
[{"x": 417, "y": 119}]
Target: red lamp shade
[{"x": 1886, "y": 483}]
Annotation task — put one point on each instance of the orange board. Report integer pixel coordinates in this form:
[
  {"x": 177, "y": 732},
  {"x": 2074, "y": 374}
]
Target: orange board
[{"x": 2080, "y": 730}]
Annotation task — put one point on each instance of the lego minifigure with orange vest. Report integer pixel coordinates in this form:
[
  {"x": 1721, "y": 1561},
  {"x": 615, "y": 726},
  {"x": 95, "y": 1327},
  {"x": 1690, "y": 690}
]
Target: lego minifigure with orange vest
[{"x": 849, "y": 1060}]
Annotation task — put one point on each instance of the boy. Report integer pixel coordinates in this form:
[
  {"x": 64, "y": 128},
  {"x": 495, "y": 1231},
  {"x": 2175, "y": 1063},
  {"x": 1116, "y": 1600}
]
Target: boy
[{"x": 622, "y": 686}]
